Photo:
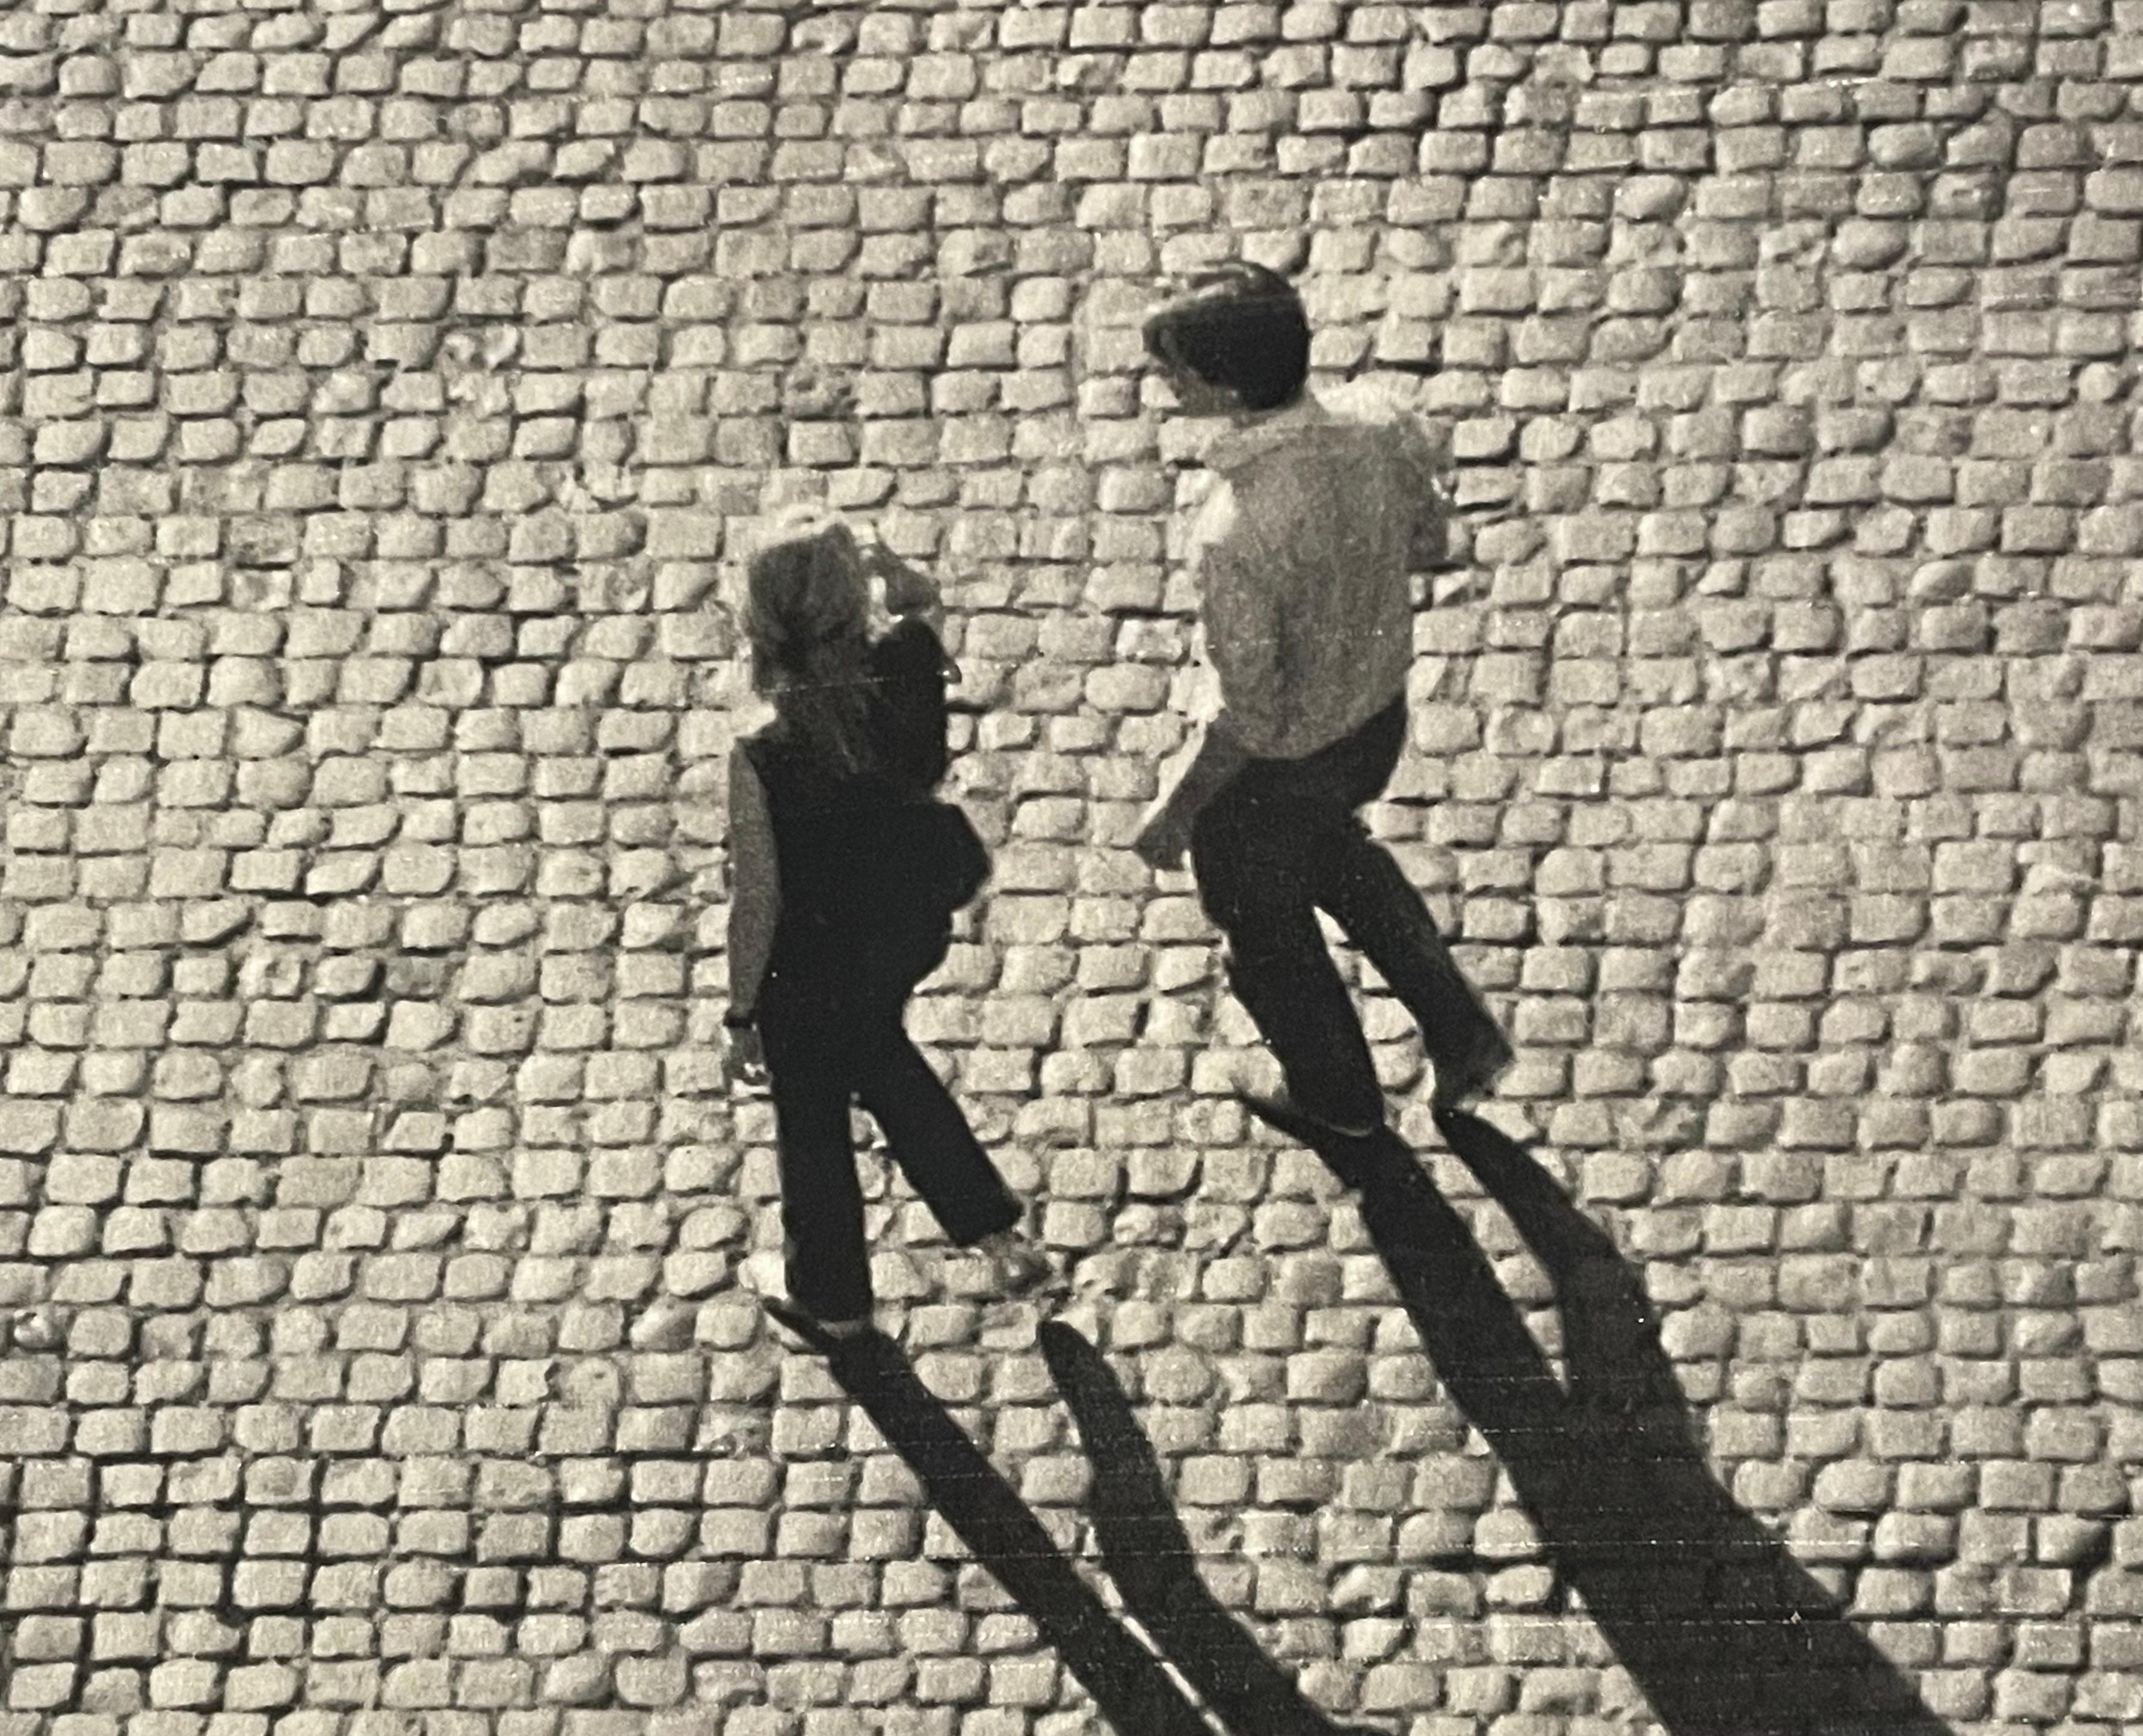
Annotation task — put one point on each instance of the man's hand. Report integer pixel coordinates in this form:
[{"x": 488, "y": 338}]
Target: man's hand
[
  {"x": 1189, "y": 782},
  {"x": 744, "y": 1056}
]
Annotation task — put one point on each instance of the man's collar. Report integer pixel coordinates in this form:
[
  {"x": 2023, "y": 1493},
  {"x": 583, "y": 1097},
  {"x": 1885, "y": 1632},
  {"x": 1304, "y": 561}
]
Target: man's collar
[{"x": 1237, "y": 445}]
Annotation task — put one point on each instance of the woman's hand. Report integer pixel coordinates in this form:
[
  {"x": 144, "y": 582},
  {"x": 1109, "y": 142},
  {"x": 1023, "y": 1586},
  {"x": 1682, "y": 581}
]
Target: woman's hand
[
  {"x": 744, "y": 1056},
  {"x": 908, "y": 590},
  {"x": 910, "y": 595}
]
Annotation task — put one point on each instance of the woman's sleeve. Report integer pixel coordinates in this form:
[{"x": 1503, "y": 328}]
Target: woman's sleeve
[
  {"x": 1426, "y": 494},
  {"x": 911, "y": 670},
  {"x": 754, "y": 886},
  {"x": 909, "y": 591}
]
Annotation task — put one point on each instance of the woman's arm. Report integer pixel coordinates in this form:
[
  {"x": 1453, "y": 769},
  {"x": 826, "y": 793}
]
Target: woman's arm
[
  {"x": 910, "y": 665},
  {"x": 755, "y": 887},
  {"x": 910, "y": 593}
]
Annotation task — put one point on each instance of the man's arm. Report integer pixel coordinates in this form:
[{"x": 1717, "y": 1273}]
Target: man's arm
[
  {"x": 1243, "y": 632},
  {"x": 1164, "y": 832},
  {"x": 1215, "y": 756},
  {"x": 1430, "y": 545},
  {"x": 755, "y": 887}
]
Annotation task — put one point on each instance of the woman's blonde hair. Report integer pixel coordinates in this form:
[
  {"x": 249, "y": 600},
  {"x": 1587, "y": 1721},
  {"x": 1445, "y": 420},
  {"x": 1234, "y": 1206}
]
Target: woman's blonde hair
[{"x": 806, "y": 618}]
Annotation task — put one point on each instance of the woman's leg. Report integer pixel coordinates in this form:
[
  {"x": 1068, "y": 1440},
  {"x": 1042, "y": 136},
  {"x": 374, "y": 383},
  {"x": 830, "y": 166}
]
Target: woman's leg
[
  {"x": 928, "y": 1136},
  {"x": 822, "y": 1202}
]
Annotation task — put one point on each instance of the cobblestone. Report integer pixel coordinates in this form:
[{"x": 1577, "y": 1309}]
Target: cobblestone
[{"x": 390, "y": 394}]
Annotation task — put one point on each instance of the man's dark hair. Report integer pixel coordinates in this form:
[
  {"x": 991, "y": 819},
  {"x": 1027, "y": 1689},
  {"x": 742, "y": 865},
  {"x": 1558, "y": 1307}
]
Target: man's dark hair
[{"x": 1240, "y": 326}]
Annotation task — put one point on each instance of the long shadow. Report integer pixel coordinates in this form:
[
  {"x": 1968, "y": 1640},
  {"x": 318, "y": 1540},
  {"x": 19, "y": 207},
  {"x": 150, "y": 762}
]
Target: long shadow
[
  {"x": 1144, "y": 1547},
  {"x": 1149, "y": 1555},
  {"x": 1722, "y": 1630}
]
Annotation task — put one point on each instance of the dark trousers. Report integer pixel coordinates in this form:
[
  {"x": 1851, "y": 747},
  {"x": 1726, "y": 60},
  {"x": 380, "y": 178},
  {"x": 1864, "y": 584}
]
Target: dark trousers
[
  {"x": 822, "y": 1054},
  {"x": 1281, "y": 842}
]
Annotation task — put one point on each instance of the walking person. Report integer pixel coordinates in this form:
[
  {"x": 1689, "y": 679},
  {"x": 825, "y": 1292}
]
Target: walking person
[
  {"x": 1302, "y": 554},
  {"x": 845, "y": 873}
]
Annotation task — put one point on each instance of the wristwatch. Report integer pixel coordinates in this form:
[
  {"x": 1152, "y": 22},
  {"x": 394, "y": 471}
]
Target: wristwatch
[{"x": 733, "y": 1021}]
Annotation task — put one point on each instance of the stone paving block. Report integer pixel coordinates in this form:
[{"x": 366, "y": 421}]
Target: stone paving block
[{"x": 375, "y": 1227}]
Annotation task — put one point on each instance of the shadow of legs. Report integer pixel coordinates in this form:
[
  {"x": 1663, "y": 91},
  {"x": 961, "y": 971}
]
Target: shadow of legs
[
  {"x": 1148, "y": 1554},
  {"x": 1144, "y": 1547},
  {"x": 1725, "y": 1632},
  {"x": 1128, "y": 1684},
  {"x": 1618, "y": 1371}
]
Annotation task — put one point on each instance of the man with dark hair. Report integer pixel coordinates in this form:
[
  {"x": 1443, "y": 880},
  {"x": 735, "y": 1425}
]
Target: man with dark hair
[
  {"x": 1303, "y": 552},
  {"x": 1241, "y": 328}
]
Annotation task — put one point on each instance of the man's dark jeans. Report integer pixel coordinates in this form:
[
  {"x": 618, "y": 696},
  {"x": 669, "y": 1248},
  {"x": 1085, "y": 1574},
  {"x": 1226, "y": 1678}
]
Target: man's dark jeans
[{"x": 1283, "y": 841}]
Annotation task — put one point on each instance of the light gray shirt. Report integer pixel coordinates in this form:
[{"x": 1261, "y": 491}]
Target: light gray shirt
[{"x": 1302, "y": 553}]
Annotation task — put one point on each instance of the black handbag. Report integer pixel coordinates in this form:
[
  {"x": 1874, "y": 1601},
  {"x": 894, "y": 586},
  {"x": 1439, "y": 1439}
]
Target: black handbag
[
  {"x": 935, "y": 863},
  {"x": 945, "y": 853}
]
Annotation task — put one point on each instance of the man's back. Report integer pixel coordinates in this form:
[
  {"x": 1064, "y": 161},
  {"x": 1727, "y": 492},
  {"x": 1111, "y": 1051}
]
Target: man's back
[{"x": 1303, "y": 554}]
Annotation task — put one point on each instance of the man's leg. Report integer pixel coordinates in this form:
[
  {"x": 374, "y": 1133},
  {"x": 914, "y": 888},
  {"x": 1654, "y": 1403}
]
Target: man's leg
[
  {"x": 1370, "y": 897},
  {"x": 928, "y": 1137},
  {"x": 1366, "y": 892},
  {"x": 822, "y": 1203},
  {"x": 1252, "y": 850}
]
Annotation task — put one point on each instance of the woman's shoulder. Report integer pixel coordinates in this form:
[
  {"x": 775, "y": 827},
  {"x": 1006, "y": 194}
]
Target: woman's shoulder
[{"x": 771, "y": 750}]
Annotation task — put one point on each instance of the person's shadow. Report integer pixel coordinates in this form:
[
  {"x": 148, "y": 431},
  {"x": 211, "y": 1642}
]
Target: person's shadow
[
  {"x": 1143, "y": 1544},
  {"x": 1722, "y": 1630}
]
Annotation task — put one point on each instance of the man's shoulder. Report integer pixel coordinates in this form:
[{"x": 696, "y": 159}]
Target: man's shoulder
[
  {"x": 1348, "y": 425},
  {"x": 1376, "y": 405},
  {"x": 1372, "y": 400}
]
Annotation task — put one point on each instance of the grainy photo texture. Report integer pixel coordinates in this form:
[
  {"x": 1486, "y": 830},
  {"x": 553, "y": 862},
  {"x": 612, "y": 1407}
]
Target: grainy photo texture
[{"x": 1001, "y": 869}]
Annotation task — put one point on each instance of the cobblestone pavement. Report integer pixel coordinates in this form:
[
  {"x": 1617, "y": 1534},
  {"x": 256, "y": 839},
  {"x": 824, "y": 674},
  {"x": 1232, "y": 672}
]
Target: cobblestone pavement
[{"x": 383, "y": 384}]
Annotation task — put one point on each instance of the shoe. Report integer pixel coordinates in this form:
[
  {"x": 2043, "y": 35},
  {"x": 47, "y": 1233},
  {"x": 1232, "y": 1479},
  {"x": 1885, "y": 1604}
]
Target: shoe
[
  {"x": 1449, "y": 1098},
  {"x": 820, "y": 1331},
  {"x": 1016, "y": 1263},
  {"x": 1355, "y": 1155},
  {"x": 1284, "y": 1108}
]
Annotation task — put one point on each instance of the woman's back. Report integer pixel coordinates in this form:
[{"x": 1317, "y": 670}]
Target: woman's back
[{"x": 839, "y": 841}]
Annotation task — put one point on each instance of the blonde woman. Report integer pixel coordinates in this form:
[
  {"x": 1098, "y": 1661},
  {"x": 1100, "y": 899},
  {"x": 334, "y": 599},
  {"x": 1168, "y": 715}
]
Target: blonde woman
[{"x": 845, "y": 873}]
